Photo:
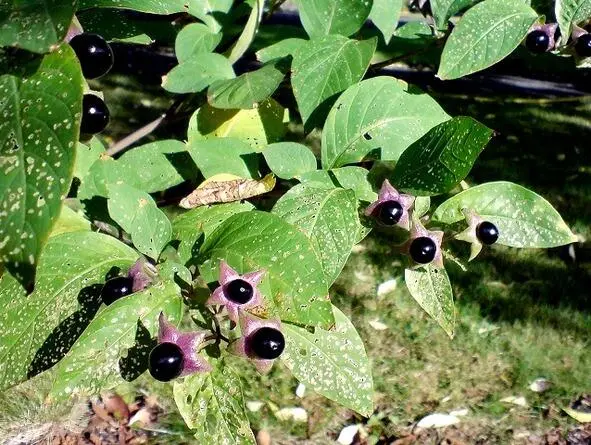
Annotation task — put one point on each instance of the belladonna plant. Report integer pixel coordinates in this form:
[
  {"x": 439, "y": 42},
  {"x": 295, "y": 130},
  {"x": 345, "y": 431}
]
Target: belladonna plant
[
  {"x": 177, "y": 353},
  {"x": 236, "y": 291},
  {"x": 262, "y": 341},
  {"x": 542, "y": 38},
  {"x": 424, "y": 246},
  {"x": 391, "y": 208}
]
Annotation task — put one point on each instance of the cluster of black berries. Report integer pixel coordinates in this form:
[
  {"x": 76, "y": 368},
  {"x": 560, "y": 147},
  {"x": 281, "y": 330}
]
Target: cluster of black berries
[
  {"x": 424, "y": 247},
  {"x": 543, "y": 38},
  {"x": 96, "y": 59},
  {"x": 261, "y": 340}
]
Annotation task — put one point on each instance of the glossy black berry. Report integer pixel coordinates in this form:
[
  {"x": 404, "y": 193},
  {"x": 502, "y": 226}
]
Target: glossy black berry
[
  {"x": 487, "y": 233},
  {"x": 238, "y": 291},
  {"x": 95, "y": 114},
  {"x": 116, "y": 288},
  {"x": 166, "y": 362},
  {"x": 537, "y": 41},
  {"x": 94, "y": 53},
  {"x": 583, "y": 45},
  {"x": 267, "y": 343},
  {"x": 422, "y": 250},
  {"x": 390, "y": 212}
]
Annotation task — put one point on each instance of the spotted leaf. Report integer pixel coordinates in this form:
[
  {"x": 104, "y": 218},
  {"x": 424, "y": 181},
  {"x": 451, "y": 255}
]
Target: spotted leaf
[{"x": 39, "y": 125}]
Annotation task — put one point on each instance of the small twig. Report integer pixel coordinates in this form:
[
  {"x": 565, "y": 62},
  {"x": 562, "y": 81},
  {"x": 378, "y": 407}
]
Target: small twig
[
  {"x": 132, "y": 138},
  {"x": 273, "y": 8},
  {"x": 218, "y": 329}
]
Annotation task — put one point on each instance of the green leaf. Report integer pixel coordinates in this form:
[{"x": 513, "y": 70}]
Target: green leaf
[
  {"x": 212, "y": 405},
  {"x": 442, "y": 158},
  {"x": 86, "y": 155},
  {"x": 328, "y": 217},
  {"x": 136, "y": 212},
  {"x": 524, "y": 219},
  {"x": 69, "y": 221},
  {"x": 36, "y": 331},
  {"x": 326, "y": 66},
  {"x": 150, "y": 6},
  {"x": 188, "y": 227},
  {"x": 283, "y": 48},
  {"x": 93, "y": 363},
  {"x": 385, "y": 15},
  {"x": 421, "y": 206},
  {"x": 197, "y": 73},
  {"x": 294, "y": 285},
  {"x": 289, "y": 160},
  {"x": 225, "y": 155},
  {"x": 258, "y": 127},
  {"x": 151, "y": 168},
  {"x": 443, "y": 10},
  {"x": 35, "y": 25},
  {"x": 332, "y": 363},
  {"x": 486, "y": 34},
  {"x": 193, "y": 39},
  {"x": 354, "y": 178},
  {"x": 38, "y": 136},
  {"x": 321, "y": 17},
  {"x": 571, "y": 12},
  {"x": 377, "y": 118},
  {"x": 249, "y": 89},
  {"x": 248, "y": 33},
  {"x": 430, "y": 287},
  {"x": 211, "y": 12}
]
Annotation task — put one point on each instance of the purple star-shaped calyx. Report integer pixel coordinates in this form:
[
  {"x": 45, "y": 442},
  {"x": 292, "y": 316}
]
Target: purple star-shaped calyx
[
  {"x": 419, "y": 231},
  {"x": 249, "y": 325},
  {"x": 143, "y": 274},
  {"x": 188, "y": 342},
  {"x": 230, "y": 281},
  {"x": 386, "y": 194},
  {"x": 470, "y": 233},
  {"x": 550, "y": 30}
]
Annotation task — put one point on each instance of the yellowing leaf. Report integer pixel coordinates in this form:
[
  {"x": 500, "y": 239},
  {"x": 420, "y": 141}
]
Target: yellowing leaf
[{"x": 227, "y": 188}]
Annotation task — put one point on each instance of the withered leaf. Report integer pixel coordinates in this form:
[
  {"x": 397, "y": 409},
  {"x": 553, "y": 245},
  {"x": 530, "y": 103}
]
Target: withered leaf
[{"x": 219, "y": 188}]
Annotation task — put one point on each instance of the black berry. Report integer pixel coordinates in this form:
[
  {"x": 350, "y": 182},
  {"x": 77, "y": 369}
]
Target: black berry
[
  {"x": 583, "y": 45},
  {"x": 95, "y": 114},
  {"x": 238, "y": 291},
  {"x": 537, "y": 41},
  {"x": 487, "y": 233},
  {"x": 116, "y": 288},
  {"x": 166, "y": 362},
  {"x": 390, "y": 212},
  {"x": 422, "y": 250},
  {"x": 94, "y": 53},
  {"x": 267, "y": 343}
]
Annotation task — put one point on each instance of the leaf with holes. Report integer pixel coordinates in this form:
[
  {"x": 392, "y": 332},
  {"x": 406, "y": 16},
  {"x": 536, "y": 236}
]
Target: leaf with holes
[
  {"x": 94, "y": 362},
  {"x": 524, "y": 219},
  {"x": 197, "y": 73},
  {"x": 430, "y": 287},
  {"x": 225, "y": 155},
  {"x": 289, "y": 160},
  {"x": 486, "y": 34},
  {"x": 36, "y": 331},
  {"x": 321, "y": 17},
  {"x": 38, "y": 136},
  {"x": 149, "y": 6},
  {"x": 86, "y": 155},
  {"x": 328, "y": 217},
  {"x": 136, "y": 212},
  {"x": 385, "y": 14},
  {"x": 258, "y": 127},
  {"x": 443, "y": 10},
  {"x": 571, "y": 12},
  {"x": 193, "y": 227},
  {"x": 294, "y": 285},
  {"x": 213, "y": 406},
  {"x": 37, "y": 26},
  {"x": 283, "y": 48},
  {"x": 249, "y": 89},
  {"x": 193, "y": 39},
  {"x": 324, "y": 67},
  {"x": 442, "y": 158},
  {"x": 378, "y": 119},
  {"x": 350, "y": 177},
  {"x": 332, "y": 363}
]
